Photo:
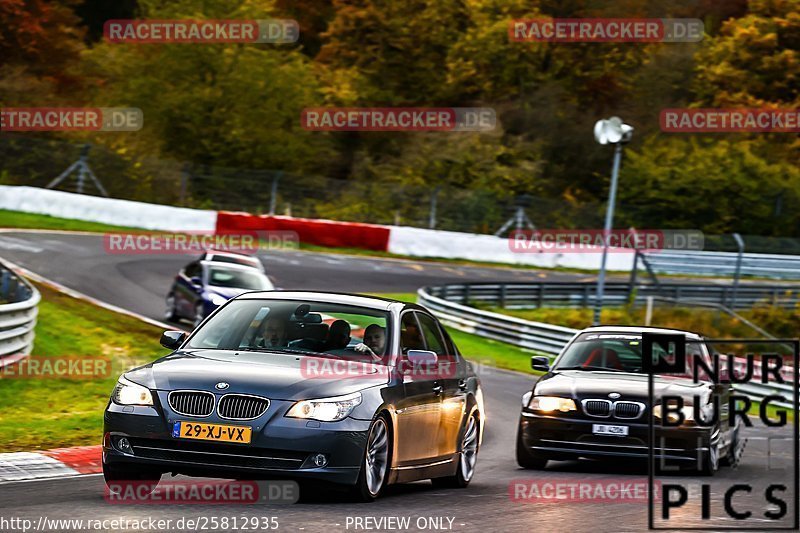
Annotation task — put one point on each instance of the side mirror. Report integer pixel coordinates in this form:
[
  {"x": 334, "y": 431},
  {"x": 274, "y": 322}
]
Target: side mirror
[
  {"x": 196, "y": 281},
  {"x": 539, "y": 362},
  {"x": 172, "y": 339},
  {"x": 422, "y": 357}
]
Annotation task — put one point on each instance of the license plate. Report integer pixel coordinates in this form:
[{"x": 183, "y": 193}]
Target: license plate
[
  {"x": 604, "y": 429},
  {"x": 217, "y": 432}
]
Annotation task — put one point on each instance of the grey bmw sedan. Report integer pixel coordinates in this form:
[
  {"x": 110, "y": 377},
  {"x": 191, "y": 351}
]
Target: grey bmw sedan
[{"x": 319, "y": 387}]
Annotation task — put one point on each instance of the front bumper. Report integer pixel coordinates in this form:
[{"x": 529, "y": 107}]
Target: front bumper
[
  {"x": 561, "y": 437},
  {"x": 281, "y": 448}
]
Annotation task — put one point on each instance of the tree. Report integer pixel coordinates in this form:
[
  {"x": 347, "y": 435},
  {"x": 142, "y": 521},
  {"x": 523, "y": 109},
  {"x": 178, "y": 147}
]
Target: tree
[
  {"x": 717, "y": 185},
  {"x": 40, "y": 43},
  {"x": 232, "y": 105}
]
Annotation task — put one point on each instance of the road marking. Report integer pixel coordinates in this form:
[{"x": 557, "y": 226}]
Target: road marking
[
  {"x": 10, "y": 243},
  {"x": 81, "y": 296}
]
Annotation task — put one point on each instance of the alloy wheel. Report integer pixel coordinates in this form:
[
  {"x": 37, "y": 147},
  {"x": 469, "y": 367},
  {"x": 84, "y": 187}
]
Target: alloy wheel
[
  {"x": 377, "y": 458},
  {"x": 469, "y": 449}
]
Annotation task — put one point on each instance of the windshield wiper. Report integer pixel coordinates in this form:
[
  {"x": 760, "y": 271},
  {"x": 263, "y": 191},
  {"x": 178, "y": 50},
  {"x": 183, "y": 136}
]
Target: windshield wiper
[
  {"x": 589, "y": 368},
  {"x": 287, "y": 350}
]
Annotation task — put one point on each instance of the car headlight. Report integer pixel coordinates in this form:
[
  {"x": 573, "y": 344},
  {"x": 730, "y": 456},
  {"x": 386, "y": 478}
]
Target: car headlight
[
  {"x": 217, "y": 300},
  {"x": 129, "y": 393},
  {"x": 325, "y": 409},
  {"x": 672, "y": 416},
  {"x": 549, "y": 404}
]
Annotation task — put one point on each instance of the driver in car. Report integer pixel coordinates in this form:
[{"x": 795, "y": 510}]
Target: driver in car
[
  {"x": 374, "y": 341},
  {"x": 273, "y": 333}
]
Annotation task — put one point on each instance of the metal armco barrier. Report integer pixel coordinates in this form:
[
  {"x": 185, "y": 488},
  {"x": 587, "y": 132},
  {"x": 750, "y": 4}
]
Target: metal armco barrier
[
  {"x": 723, "y": 264},
  {"x": 448, "y": 303},
  {"x": 582, "y": 294},
  {"x": 538, "y": 336},
  {"x": 18, "y": 310}
]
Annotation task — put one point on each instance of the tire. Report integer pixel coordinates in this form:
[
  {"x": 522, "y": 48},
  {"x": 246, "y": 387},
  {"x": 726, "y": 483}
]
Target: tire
[
  {"x": 169, "y": 314},
  {"x": 117, "y": 477},
  {"x": 525, "y": 458},
  {"x": 198, "y": 314},
  {"x": 735, "y": 449},
  {"x": 374, "y": 472},
  {"x": 710, "y": 461},
  {"x": 467, "y": 456}
]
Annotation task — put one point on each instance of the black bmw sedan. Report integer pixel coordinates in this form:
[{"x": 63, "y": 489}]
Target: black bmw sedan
[
  {"x": 319, "y": 387},
  {"x": 593, "y": 402}
]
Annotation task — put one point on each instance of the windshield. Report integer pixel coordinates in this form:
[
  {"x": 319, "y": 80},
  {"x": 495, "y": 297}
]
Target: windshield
[
  {"x": 621, "y": 352},
  {"x": 608, "y": 352},
  {"x": 239, "y": 279},
  {"x": 297, "y": 326}
]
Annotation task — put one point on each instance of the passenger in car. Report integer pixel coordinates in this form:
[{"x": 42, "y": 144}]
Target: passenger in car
[{"x": 338, "y": 336}]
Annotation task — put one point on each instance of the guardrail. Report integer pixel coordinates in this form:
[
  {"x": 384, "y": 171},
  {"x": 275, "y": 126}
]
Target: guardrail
[
  {"x": 19, "y": 302},
  {"x": 541, "y": 337},
  {"x": 545, "y": 338},
  {"x": 724, "y": 264},
  {"x": 583, "y": 294}
]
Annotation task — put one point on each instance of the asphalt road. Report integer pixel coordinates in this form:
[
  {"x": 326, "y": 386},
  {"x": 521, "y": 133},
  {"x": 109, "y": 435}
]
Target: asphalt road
[{"x": 139, "y": 282}]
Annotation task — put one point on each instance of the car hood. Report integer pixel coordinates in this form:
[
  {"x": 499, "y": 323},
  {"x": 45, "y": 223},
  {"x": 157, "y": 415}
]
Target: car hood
[
  {"x": 581, "y": 384},
  {"x": 274, "y": 375}
]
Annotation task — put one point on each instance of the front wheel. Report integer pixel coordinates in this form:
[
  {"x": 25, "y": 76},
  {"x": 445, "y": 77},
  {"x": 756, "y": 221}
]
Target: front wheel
[
  {"x": 709, "y": 461},
  {"x": 375, "y": 467},
  {"x": 169, "y": 314},
  {"x": 525, "y": 458},
  {"x": 467, "y": 458},
  {"x": 735, "y": 449}
]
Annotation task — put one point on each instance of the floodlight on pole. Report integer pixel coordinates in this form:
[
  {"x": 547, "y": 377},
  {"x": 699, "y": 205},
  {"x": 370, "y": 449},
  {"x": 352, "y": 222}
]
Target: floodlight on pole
[{"x": 609, "y": 131}]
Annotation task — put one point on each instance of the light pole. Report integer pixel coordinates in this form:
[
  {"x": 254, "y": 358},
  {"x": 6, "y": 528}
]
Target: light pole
[{"x": 610, "y": 131}]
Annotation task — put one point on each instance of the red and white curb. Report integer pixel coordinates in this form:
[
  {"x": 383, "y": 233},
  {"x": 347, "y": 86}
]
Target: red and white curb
[{"x": 60, "y": 462}]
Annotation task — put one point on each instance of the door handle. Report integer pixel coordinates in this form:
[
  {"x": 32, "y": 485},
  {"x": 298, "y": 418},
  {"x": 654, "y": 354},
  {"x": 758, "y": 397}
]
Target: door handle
[
  {"x": 437, "y": 389},
  {"x": 462, "y": 384}
]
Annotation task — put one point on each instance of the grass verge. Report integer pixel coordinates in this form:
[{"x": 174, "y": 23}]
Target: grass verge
[
  {"x": 16, "y": 219},
  {"x": 50, "y": 413},
  {"x": 478, "y": 349}
]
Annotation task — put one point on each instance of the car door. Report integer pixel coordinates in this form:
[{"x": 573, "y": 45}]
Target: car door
[
  {"x": 185, "y": 292},
  {"x": 419, "y": 410},
  {"x": 449, "y": 378}
]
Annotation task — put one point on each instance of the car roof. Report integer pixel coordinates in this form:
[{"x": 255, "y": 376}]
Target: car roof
[
  {"x": 234, "y": 266},
  {"x": 358, "y": 300},
  {"x": 639, "y": 329},
  {"x": 210, "y": 255}
]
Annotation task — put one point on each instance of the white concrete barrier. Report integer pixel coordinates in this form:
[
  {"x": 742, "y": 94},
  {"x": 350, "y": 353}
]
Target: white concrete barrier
[
  {"x": 106, "y": 210},
  {"x": 420, "y": 242}
]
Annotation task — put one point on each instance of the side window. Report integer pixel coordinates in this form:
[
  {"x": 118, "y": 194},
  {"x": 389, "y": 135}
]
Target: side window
[
  {"x": 433, "y": 337},
  {"x": 451, "y": 347},
  {"x": 410, "y": 335}
]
